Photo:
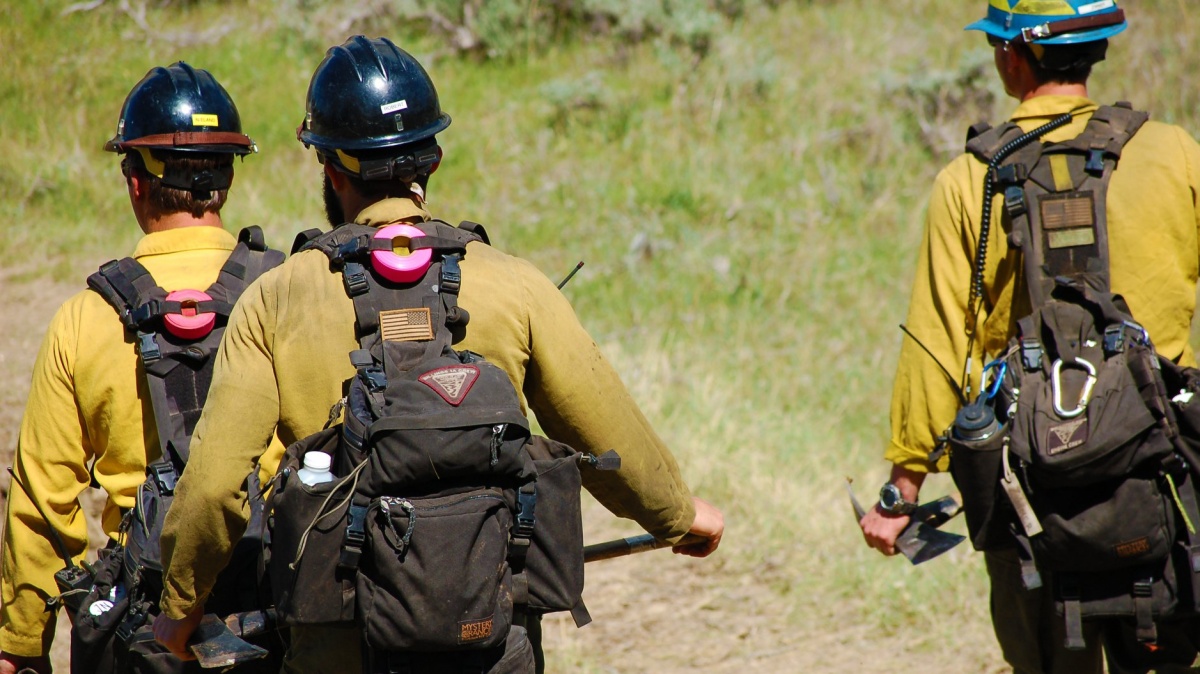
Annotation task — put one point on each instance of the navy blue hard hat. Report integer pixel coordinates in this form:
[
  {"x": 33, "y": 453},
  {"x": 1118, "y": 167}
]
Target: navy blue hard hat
[
  {"x": 182, "y": 109},
  {"x": 369, "y": 95}
]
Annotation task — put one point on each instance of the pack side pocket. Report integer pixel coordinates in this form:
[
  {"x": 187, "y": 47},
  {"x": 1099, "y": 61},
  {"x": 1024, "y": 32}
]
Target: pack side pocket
[
  {"x": 1103, "y": 527},
  {"x": 101, "y": 612},
  {"x": 306, "y": 584},
  {"x": 436, "y": 575},
  {"x": 976, "y": 468},
  {"x": 554, "y": 564}
]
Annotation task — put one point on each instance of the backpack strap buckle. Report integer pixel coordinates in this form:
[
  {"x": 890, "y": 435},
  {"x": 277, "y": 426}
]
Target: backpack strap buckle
[
  {"x": 450, "y": 276},
  {"x": 354, "y": 538},
  {"x": 148, "y": 348},
  {"x": 1031, "y": 353},
  {"x": 164, "y": 476},
  {"x": 1014, "y": 201},
  {"x": 1114, "y": 339},
  {"x": 354, "y": 278}
]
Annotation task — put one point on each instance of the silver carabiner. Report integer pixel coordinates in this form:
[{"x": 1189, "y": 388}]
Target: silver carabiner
[{"x": 1084, "y": 396}]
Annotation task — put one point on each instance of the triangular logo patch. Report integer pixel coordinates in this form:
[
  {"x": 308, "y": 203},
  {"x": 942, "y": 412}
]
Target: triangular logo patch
[
  {"x": 452, "y": 383},
  {"x": 1066, "y": 436}
]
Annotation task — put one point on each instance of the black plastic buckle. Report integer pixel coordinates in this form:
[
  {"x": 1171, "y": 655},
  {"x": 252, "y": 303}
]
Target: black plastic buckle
[
  {"x": 148, "y": 348},
  {"x": 1095, "y": 162},
  {"x": 1013, "y": 174},
  {"x": 145, "y": 312},
  {"x": 1031, "y": 354},
  {"x": 133, "y": 620},
  {"x": 164, "y": 476},
  {"x": 450, "y": 277},
  {"x": 374, "y": 377},
  {"x": 526, "y": 520},
  {"x": 1014, "y": 202},
  {"x": 354, "y": 539},
  {"x": 354, "y": 278},
  {"x": 1143, "y": 588},
  {"x": 1114, "y": 339}
]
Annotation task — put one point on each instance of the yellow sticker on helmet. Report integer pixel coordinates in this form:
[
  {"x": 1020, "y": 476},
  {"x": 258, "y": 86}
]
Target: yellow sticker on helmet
[
  {"x": 200, "y": 119},
  {"x": 1043, "y": 8}
]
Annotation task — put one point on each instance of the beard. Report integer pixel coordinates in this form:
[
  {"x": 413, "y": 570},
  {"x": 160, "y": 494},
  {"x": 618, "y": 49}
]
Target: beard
[{"x": 333, "y": 206}]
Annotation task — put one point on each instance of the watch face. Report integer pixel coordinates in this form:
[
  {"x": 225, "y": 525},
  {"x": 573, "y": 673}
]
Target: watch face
[{"x": 889, "y": 497}]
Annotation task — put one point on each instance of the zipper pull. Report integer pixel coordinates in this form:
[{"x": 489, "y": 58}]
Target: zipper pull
[{"x": 497, "y": 436}]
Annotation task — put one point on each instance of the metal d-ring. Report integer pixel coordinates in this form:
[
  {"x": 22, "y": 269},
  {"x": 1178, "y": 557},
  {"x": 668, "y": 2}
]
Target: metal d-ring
[{"x": 1056, "y": 384}]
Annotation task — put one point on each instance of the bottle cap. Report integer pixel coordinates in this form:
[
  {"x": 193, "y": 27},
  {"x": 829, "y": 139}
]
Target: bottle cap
[{"x": 318, "y": 461}]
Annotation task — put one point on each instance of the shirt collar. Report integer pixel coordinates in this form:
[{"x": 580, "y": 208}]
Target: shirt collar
[
  {"x": 392, "y": 210},
  {"x": 1053, "y": 106},
  {"x": 200, "y": 237}
]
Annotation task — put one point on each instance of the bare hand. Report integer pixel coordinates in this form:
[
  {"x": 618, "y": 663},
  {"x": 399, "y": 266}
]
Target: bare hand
[
  {"x": 881, "y": 529},
  {"x": 174, "y": 634},
  {"x": 16, "y": 664},
  {"x": 708, "y": 525}
]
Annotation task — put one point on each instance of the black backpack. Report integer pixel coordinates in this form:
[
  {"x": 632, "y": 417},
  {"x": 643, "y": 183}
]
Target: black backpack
[
  {"x": 445, "y": 512},
  {"x": 178, "y": 373},
  {"x": 1075, "y": 424}
]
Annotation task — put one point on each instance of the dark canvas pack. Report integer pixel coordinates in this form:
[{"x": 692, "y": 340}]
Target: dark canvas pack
[{"x": 1072, "y": 453}]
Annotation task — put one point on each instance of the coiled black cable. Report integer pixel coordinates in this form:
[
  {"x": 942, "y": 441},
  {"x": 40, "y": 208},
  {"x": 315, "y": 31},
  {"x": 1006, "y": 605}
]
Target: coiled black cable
[{"x": 989, "y": 192}]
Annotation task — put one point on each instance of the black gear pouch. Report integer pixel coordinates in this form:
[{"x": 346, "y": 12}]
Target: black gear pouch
[
  {"x": 551, "y": 578},
  {"x": 308, "y": 527},
  {"x": 436, "y": 576},
  {"x": 95, "y": 624},
  {"x": 976, "y": 467}
]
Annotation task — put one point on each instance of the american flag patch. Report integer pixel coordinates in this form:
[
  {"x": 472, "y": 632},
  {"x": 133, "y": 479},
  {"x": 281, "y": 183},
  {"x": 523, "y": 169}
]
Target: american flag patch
[{"x": 406, "y": 325}]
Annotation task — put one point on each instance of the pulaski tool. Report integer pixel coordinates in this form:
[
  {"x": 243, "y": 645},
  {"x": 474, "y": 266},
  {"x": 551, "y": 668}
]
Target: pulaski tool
[
  {"x": 218, "y": 643},
  {"x": 921, "y": 540}
]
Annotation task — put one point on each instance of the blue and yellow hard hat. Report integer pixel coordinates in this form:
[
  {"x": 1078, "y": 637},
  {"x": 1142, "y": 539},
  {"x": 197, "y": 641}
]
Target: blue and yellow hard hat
[{"x": 1052, "y": 21}]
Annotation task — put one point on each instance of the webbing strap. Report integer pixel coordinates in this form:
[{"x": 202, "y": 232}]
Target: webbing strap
[
  {"x": 1072, "y": 615},
  {"x": 580, "y": 615},
  {"x": 1143, "y": 608}
]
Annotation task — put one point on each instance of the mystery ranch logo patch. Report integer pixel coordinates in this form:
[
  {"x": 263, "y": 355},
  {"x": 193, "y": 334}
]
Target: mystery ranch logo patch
[
  {"x": 1066, "y": 436},
  {"x": 474, "y": 630},
  {"x": 451, "y": 383},
  {"x": 1132, "y": 548}
]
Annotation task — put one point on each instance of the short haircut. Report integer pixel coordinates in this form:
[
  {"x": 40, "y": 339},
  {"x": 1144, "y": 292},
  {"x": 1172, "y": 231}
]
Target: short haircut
[{"x": 169, "y": 199}]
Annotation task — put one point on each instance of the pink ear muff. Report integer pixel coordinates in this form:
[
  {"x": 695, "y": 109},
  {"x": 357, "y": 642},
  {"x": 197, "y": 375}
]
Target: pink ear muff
[
  {"x": 188, "y": 323},
  {"x": 401, "y": 268}
]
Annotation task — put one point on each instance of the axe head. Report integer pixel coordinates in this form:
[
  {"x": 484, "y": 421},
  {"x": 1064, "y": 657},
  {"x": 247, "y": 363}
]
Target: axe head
[
  {"x": 215, "y": 645},
  {"x": 921, "y": 540}
]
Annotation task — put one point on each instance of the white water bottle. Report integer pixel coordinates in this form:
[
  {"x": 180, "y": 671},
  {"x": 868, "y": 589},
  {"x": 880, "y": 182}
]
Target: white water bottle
[{"x": 316, "y": 468}]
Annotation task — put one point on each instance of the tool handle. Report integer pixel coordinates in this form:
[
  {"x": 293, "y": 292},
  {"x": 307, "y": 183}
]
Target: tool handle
[{"x": 623, "y": 547}]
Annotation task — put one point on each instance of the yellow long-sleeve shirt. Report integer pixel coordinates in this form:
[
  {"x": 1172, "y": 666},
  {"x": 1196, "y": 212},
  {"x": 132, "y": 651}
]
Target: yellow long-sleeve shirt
[
  {"x": 1153, "y": 218},
  {"x": 284, "y": 358},
  {"x": 87, "y": 406}
]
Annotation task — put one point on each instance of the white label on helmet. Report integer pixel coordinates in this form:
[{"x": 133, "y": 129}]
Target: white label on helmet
[
  {"x": 403, "y": 105},
  {"x": 1095, "y": 6}
]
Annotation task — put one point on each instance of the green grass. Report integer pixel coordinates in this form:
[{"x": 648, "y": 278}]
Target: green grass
[{"x": 748, "y": 220}]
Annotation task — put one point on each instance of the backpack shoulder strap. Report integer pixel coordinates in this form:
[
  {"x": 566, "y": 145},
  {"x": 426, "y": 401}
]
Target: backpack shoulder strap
[
  {"x": 476, "y": 229},
  {"x": 128, "y": 288},
  {"x": 249, "y": 260},
  {"x": 985, "y": 142}
]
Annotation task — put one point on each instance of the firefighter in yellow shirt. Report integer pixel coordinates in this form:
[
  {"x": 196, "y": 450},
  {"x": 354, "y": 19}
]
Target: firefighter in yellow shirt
[
  {"x": 88, "y": 419},
  {"x": 1153, "y": 212},
  {"x": 372, "y": 115}
]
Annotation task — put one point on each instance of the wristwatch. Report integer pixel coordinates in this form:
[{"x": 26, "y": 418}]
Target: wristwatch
[{"x": 891, "y": 501}]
